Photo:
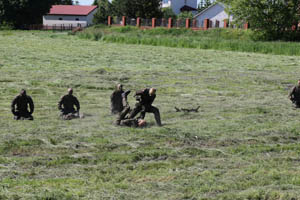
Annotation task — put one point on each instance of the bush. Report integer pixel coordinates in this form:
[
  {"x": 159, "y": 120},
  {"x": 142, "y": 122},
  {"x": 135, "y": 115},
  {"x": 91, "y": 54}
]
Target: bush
[{"x": 6, "y": 26}]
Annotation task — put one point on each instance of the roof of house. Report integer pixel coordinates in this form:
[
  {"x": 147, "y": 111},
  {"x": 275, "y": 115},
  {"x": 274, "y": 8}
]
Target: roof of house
[
  {"x": 214, "y": 4},
  {"x": 187, "y": 8},
  {"x": 71, "y": 10}
]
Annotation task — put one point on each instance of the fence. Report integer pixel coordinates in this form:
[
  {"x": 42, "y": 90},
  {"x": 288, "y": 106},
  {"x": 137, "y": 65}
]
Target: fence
[
  {"x": 54, "y": 27},
  {"x": 169, "y": 23}
]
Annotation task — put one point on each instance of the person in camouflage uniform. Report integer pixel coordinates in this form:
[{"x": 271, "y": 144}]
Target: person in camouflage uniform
[
  {"x": 66, "y": 105},
  {"x": 145, "y": 99},
  {"x": 116, "y": 104},
  {"x": 19, "y": 106},
  {"x": 294, "y": 95},
  {"x": 123, "y": 118}
]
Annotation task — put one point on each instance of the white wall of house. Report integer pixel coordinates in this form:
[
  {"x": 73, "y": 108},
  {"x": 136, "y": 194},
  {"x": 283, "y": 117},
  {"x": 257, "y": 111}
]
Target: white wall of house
[
  {"x": 177, "y": 4},
  {"x": 213, "y": 13},
  {"x": 68, "y": 20}
]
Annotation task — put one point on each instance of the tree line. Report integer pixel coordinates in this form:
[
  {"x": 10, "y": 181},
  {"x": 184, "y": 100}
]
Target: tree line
[
  {"x": 19, "y": 13},
  {"x": 139, "y": 8},
  {"x": 272, "y": 19}
]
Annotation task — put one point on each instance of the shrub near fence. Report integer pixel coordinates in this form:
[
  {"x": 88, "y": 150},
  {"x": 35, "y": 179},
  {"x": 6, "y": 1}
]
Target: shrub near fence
[{"x": 169, "y": 23}]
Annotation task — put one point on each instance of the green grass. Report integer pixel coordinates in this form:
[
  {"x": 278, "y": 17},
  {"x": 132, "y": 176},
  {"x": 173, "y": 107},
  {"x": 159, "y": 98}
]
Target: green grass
[
  {"x": 217, "y": 39},
  {"x": 242, "y": 144}
]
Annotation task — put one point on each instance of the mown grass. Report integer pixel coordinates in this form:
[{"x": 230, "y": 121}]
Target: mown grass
[
  {"x": 242, "y": 144},
  {"x": 217, "y": 39}
]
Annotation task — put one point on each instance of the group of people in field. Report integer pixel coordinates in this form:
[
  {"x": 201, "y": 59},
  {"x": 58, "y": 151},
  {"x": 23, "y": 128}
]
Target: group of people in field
[
  {"x": 22, "y": 107},
  {"x": 68, "y": 105}
]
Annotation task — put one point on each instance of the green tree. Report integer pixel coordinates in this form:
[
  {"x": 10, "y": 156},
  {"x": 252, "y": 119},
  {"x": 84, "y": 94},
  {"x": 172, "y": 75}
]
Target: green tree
[
  {"x": 137, "y": 8},
  {"x": 20, "y": 13},
  {"x": 270, "y": 17},
  {"x": 185, "y": 15},
  {"x": 168, "y": 13},
  {"x": 104, "y": 10}
]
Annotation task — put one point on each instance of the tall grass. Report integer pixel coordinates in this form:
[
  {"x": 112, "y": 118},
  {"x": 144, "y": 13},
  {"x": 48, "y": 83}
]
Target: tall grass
[{"x": 218, "y": 39}]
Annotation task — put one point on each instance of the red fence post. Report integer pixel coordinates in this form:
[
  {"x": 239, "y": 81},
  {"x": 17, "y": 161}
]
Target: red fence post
[
  {"x": 170, "y": 23},
  {"x": 187, "y": 23},
  {"x": 138, "y": 22},
  {"x": 225, "y": 23},
  {"x": 109, "y": 21},
  {"x": 153, "y": 22},
  {"x": 246, "y": 26},
  {"x": 123, "y": 21},
  {"x": 206, "y": 24}
]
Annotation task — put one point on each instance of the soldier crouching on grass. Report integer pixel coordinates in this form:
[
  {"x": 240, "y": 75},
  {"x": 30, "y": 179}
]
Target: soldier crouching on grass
[
  {"x": 66, "y": 106},
  {"x": 22, "y": 101},
  {"x": 294, "y": 95},
  {"x": 145, "y": 99}
]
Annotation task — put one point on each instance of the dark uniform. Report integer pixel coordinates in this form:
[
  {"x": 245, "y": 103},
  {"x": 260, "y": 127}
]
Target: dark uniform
[
  {"x": 129, "y": 122},
  {"x": 116, "y": 101},
  {"x": 126, "y": 108},
  {"x": 295, "y": 95},
  {"x": 145, "y": 105},
  {"x": 21, "y": 112},
  {"x": 67, "y": 103}
]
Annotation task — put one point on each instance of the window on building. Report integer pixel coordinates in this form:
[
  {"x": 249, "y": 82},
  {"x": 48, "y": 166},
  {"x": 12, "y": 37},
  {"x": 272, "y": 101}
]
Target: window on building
[
  {"x": 77, "y": 19},
  {"x": 60, "y": 18}
]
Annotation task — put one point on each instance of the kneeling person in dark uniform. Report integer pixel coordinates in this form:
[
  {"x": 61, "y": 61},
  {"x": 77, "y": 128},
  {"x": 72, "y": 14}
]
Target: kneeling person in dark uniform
[
  {"x": 66, "y": 106},
  {"x": 22, "y": 101},
  {"x": 294, "y": 95},
  {"x": 145, "y": 99}
]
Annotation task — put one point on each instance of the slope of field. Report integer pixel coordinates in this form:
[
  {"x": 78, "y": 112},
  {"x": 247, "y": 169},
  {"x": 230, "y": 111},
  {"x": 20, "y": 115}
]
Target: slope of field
[{"x": 242, "y": 144}]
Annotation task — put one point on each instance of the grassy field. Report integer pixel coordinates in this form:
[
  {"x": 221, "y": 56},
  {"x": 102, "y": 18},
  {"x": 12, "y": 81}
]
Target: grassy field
[
  {"x": 242, "y": 144},
  {"x": 217, "y": 39}
]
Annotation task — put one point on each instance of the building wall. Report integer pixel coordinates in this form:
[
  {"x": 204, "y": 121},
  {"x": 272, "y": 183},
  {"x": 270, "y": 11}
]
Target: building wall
[
  {"x": 213, "y": 13},
  {"x": 177, "y": 4},
  {"x": 68, "y": 20},
  {"x": 90, "y": 17}
]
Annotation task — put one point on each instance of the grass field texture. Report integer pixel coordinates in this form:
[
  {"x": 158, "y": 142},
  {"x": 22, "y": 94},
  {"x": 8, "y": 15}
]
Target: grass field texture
[
  {"x": 217, "y": 39},
  {"x": 242, "y": 144}
]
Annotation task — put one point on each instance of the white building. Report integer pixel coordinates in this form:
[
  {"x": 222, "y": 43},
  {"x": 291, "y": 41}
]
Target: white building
[
  {"x": 179, "y": 6},
  {"x": 70, "y": 15},
  {"x": 214, "y": 13}
]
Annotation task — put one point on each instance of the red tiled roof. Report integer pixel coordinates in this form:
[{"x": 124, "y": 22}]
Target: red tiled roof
[{"x": 71, "y": 10}]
